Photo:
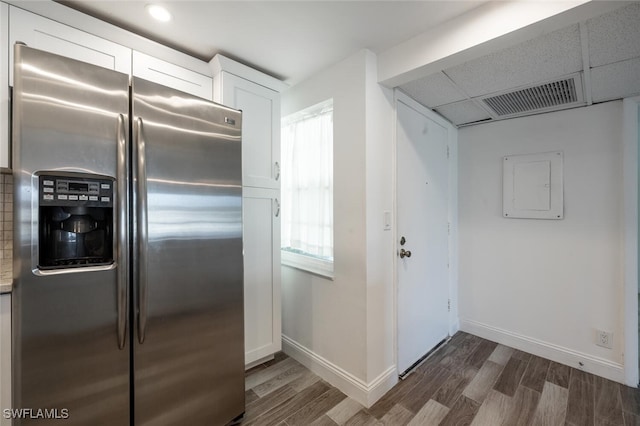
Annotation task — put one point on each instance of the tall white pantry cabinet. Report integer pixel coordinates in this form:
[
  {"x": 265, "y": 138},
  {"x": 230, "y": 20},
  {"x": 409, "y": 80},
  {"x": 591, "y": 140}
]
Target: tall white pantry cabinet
[{"x": 258, "y": 96}]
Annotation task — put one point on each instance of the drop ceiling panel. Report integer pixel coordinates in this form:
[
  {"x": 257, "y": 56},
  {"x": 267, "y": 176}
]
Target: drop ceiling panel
[
  {"x": 433, "y": 90},
  {"x": 463, "y": 112},
  {"x": 546, "y": 57},
  {"x": 614, "y": 36},
  {"x": 615, "y": 81}
]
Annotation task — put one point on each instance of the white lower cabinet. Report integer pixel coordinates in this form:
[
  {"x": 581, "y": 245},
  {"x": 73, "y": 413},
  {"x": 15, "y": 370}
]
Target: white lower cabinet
[
  {"x": 5, "y": 357},
  {"x": 262, "y": 315}
]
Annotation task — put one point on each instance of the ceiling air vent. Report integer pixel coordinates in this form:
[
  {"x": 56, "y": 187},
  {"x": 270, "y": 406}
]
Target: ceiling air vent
[{"x": 550, "y": 96}]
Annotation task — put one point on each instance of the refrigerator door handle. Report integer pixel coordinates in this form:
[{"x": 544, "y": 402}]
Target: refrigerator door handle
[
  {"x": 122, "y": 238},
  {"x": 141, "y": 211}
]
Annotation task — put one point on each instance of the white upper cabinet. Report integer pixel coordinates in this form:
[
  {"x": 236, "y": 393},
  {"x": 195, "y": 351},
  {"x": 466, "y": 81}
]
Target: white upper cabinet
[
  {"x": 257, "y": 95},
  {"x": 260, "y": 129},
  {"x": 42, "y": 33},
  {"x": 4, "y": 86},
  {"x": 170, "y": 75}
]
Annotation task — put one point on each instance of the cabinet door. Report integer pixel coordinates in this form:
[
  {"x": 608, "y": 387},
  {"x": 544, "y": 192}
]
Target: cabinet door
[
  {"x": 262, "y": 316},
  {"x": 260, "y": 129},
  {"x": 170, "y": 75},
  {"x": 5, "y": 355},
  {"x": 45, "y": 34},
  {"x": 4, "y": 86}
]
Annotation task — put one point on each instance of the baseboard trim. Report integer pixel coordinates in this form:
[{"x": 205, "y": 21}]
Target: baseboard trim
[
  {"x": 365, "y": 393},
  {"x": 454, "y": 326},
  {"x": 252, "y": 364},
  {"x": 589, "y": 363}
]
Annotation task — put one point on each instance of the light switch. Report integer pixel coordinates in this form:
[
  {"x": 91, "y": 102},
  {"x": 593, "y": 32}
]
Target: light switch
[{"x": 386, "y": 220}]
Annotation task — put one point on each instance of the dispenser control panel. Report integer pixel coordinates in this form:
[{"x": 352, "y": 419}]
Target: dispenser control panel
[{"x": 76, "y": 191}]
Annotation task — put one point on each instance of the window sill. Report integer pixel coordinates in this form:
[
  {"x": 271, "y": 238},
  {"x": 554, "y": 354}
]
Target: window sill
[{"x": 323, "y": 268}]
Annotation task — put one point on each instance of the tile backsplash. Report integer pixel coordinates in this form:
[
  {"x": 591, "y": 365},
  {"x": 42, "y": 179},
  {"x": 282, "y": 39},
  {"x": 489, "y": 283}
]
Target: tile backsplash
[{"x": 6, "y": 225}]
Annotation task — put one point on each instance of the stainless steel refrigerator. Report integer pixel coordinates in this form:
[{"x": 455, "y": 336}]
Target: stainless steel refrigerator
[{"x": 128, "y": 296}]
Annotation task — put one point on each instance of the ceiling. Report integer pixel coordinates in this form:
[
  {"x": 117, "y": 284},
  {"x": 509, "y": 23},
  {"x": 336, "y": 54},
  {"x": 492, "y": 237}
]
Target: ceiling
[
  {"x": 290, "y": 40},
  {"x": 604, "y": 51}
]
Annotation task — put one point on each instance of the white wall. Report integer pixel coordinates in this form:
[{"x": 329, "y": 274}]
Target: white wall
[
  {"x": 380, "y": 246},
  {"x": 631, "y": 120},
  {"x": 329, "y": 317},
  {"x": 546, "y": 285},
  {"x": 343, "y": 329}
]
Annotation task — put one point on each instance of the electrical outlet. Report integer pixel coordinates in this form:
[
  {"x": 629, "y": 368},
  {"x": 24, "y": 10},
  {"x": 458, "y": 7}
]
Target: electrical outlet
[{"x": 604, "y": 339}]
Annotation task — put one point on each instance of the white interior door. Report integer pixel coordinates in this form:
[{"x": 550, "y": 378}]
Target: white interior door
[{"x": 423, "y": 240}]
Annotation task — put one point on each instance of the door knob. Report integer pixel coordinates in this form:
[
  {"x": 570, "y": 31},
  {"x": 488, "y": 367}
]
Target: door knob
[{"x": 404, "y": 253}]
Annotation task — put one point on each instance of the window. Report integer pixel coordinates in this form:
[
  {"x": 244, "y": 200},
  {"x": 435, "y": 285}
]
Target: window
[{"x": 307, "y": 189}]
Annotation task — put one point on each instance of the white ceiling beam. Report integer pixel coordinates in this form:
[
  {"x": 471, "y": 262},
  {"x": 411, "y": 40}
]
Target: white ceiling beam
[
  {"x": 484, "y": 30},
  {"x": 586, "y": 67}
]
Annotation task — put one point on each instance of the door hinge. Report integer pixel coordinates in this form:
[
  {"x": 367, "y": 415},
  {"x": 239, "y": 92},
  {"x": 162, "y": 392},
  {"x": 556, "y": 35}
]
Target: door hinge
[
  {"x": 449, "y": 305},
  {"x": 448, "y": 228},
  {"x": 447, "y": 151}
]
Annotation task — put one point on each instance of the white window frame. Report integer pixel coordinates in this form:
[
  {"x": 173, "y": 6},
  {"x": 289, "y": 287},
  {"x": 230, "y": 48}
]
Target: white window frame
[{"x": 303, "y": 261}]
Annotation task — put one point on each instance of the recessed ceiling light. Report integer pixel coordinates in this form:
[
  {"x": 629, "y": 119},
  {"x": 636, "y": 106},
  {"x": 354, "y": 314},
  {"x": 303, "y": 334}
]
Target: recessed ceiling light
[{"x": 158, "y": 12}]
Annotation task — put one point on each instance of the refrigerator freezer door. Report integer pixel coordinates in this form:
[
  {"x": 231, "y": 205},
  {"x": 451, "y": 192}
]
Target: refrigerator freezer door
[
  {"x": 67, "y": 117},
  {"x": 189, "y": 344}
]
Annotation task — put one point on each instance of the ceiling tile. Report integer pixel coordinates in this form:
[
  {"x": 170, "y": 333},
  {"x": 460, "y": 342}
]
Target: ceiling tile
[
  {"x": 463, "y": 112},
  {"x": 546, "y": 57},
  {"x": 433, "y": 90},
  {"x": 614, "y": 36},
  {"x": 615, "y": 81}
]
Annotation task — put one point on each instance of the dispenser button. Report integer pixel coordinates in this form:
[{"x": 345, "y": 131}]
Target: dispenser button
[
  {"x": 73, "y": 197},
  {"x": 62, "y": 197},
  {"x": 93, "y": 198},
  {"x": 47, "y": 182},
  {"x": 47, "y": 189},
  {"x": 105, "y": 199},
  {"x": 83, "y": 198},
  {"x": 105, "y": 186},
  {"x": 48, "y": 197}
]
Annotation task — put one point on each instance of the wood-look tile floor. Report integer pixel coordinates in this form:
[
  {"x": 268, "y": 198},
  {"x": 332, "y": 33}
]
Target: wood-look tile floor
[{"x": 469, "y": 381}]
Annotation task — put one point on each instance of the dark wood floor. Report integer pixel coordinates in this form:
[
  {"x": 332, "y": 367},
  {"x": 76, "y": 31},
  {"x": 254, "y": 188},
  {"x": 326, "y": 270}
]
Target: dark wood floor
[{"x": 470, "y": 381}]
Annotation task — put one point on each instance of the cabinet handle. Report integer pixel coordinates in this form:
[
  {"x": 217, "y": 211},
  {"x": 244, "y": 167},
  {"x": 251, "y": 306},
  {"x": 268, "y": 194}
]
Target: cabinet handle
[
  {"x": 276, "y": 168},
  {"x": 277, "y": 207}
]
